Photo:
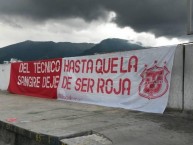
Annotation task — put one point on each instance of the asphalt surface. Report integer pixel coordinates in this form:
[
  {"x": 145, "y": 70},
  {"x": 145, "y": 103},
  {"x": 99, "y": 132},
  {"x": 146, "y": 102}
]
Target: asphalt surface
[{"x": 83, "y": 124}]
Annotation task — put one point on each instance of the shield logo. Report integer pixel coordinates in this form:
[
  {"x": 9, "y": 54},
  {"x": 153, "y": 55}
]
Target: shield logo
[{"x": 154, "y": 83}]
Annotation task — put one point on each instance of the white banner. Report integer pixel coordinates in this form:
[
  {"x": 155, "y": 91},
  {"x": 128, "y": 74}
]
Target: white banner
[{"x": 137, "y": 80}]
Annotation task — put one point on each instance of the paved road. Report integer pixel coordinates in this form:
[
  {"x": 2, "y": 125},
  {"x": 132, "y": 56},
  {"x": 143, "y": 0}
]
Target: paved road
[{"x": 77, "y": 124}]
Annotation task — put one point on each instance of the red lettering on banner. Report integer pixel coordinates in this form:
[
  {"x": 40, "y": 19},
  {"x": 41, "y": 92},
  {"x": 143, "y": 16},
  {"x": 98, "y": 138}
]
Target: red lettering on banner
[
  {"x": 77, "y": 66},
  {"x": 89, "y": 66},
  {"x": 83, "y": 65},
  {"x": 66, "y": 65},
  {"x": 114, "y": 64},
  {"x": 133, "y": 63},
  {"x": 121, "y": 66},
  {"x": 78, "y": 85},
  {"x": 84, "y": 85},
  {"x": 99, "y": 66},
  {"x": 108, "y": 86},
  {"x": 100, "y": 85},
  {"x": 71, "y": 68},
  {"x": 126, "y": 87},
  {"x": 66, "y": 83},
  {"x": 90, "y": 85},
  {"x": 118, "y": 91},
  {"x": 23, "y": 68},
  {"x": 106, "y": 65}
]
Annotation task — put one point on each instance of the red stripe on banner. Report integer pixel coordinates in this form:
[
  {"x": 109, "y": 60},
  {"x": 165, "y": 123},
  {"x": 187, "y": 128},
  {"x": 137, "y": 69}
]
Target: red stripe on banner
[{"x": 36, "y": 78}]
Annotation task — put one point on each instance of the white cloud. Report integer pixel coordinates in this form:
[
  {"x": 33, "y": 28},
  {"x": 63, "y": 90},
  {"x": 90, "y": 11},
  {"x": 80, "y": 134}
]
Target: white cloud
[{"x": 74, "y": 30}]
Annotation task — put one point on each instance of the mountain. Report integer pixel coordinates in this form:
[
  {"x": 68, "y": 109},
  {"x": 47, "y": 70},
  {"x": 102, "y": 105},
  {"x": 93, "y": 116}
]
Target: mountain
[
  {"x": 30, "y": 50},
  {"x": 112, "y": 45}
]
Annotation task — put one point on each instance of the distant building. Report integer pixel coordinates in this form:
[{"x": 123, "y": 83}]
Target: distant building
[{"x": 12, "y": 60}]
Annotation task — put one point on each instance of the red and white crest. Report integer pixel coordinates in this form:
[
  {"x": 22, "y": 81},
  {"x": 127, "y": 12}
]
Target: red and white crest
[{"x": 154, "y": 83}]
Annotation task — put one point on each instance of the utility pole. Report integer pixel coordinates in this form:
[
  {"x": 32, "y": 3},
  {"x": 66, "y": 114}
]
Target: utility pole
[{"x": 189, "y": 17}]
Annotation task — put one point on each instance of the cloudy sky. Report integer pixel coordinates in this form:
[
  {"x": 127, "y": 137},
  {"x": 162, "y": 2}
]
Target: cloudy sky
[{"x": 150, "y": 22}]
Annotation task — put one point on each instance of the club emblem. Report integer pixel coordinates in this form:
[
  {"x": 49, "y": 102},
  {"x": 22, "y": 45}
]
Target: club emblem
[{"x": 154, "y": 83}]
